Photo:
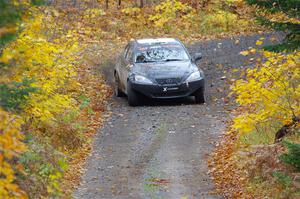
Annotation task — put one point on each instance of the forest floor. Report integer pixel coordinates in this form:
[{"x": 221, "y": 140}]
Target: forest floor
[{"x": 159, "y": 150}]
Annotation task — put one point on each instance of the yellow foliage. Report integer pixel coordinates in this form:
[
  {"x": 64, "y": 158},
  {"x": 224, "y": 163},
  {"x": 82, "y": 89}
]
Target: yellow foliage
[
  {"x": 259, "y": 42},
  {"x": 222, "y": 21},
  {"x": 232, "y": 2},
  {"x": 21, "y": 2},
  {"x": 93, "y": 13},
  {"x": 131, "y": 11},
  {"x": 51, "y": 67},
  {"x": 11, "y": 146},
  {"x": 50, "y": 60},
  {"x": 68, "y": 97},
  {"x": 270, "y": 93},
  {"x": 168, "y": 11},
  {"x": 244, "y": 53},
  {"x": 280, "y": 17}
]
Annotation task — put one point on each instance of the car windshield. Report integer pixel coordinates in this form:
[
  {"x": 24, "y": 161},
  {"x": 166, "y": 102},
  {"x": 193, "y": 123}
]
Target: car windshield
[{"x": 160, "y": 52}]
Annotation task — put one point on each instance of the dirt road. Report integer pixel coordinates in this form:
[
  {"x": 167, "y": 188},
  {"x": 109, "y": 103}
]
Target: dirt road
[{"x": 159, "y": 150}]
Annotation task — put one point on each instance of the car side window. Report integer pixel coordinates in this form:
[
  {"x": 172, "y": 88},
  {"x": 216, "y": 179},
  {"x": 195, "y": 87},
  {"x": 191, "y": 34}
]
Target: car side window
[
  {"x": 126, "y": 51},
  {"x": 128, "y": 55}
]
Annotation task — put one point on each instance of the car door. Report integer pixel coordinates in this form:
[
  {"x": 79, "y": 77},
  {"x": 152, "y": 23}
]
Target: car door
[
  {"x": 120, "y": 67},
  {"x": 126, "y": 64}
]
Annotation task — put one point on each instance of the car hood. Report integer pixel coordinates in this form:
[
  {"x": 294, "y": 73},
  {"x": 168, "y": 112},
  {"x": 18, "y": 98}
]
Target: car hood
[{"x": 158, "y": 70}]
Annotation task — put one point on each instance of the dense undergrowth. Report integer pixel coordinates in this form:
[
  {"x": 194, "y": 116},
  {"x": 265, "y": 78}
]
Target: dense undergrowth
[
  {"x": 259, "y": 155},
  {"x": 51, "y": 93},
  {"x": 51, "y": 101}
]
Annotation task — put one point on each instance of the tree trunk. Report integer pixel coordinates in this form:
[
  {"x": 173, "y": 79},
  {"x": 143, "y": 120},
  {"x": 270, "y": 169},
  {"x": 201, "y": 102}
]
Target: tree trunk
[
  {"x": 106, "y": 4},
  {"x": 74, "y": 3},
  {"x": 286, "y": 129},
  {"x": 141, "y": 3}
]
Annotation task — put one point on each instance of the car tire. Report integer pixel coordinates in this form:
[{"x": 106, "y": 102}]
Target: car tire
[
  {"x": 200, "y": 96},
  {"x": 118, "y": 91},
  {"x": 133, "y": 96}
]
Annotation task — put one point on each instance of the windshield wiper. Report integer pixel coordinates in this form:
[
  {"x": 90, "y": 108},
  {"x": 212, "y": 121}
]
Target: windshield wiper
[
  {"x": 164, "y": 60},
  {"x": 173, "y": 60},
  {"x": 146, "y": 61}
]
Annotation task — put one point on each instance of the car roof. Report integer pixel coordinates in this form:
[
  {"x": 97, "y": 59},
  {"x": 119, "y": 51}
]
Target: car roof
[{"x": 156, "y": 40}]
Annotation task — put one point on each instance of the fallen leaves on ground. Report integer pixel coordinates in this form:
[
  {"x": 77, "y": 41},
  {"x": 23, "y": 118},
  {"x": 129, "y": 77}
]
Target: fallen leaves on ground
[{"x": 230, "y": 180}]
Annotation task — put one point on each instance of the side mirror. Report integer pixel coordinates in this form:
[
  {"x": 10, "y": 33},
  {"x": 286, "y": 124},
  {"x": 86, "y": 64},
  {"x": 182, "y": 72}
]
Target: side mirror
[{"x": 197, "y": 57}]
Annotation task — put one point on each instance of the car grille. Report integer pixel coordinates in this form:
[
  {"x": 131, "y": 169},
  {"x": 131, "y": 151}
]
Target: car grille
[
  {"x": 168, "y": 81},
  {"x": 170, "y": 94}
]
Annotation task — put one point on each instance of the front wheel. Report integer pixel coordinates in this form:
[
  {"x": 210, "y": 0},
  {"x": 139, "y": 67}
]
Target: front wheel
[
  {"x": 118, "y": 91},
  {"x": 200, "y": 96},
  {"x": 133, "y": 96}
]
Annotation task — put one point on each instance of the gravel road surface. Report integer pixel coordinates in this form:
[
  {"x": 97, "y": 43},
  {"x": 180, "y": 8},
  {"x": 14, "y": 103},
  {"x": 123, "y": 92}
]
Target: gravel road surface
[{"x": 159, "y": 150}]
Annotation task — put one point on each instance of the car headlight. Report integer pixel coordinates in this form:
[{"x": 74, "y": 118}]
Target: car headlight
[
  {"x": 142, "y": 80},
  {"x": 197, "y": 75}
]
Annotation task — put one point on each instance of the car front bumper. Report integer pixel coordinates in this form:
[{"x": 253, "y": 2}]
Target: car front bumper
[{"x": 168, "y": 91}]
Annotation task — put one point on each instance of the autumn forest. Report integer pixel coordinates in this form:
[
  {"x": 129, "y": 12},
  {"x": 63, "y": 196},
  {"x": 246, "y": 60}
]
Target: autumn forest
[{"x": 56, "y": 92}]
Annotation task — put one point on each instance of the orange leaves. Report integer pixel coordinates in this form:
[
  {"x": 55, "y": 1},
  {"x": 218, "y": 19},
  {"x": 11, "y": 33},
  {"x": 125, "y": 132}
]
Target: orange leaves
[
  {"x": 11, "y": 146},
  {"x": 280, "y": 17},
  {"x": 268, "y": 98},
  {"x": 229, "y": 178},
  {"x": 5, "y": 30},
  {"x": 10, "y": 135},
  {"x": 248, "y": 172}
]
